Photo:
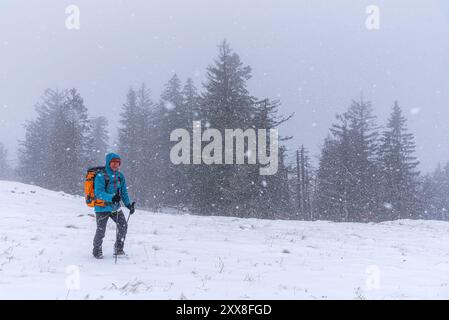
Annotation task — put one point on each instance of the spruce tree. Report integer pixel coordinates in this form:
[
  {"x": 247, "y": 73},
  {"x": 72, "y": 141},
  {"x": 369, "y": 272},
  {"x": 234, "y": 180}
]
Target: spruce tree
[
  {"x": 332, "y": 181},
  {"x": 34, "y": 151},
  {"x": 72, "y": 144},
  {"x": 226, "y": 104},
  {"x": 434, "y": 194},
  {"x": 100, "y": 139},
  {"x": 271, "y": 196},
  {"x": 348, "y": 174},
  {"x": 56, "y": 149},
  {"x": 149, "y": 185},
  {"x": 191, "y": 173},
  {"x": 177, "y": 116},
  {"x": 191, "y": 102},
  {"x": 133, "y": 143},
  {"x": 398, "y": 169}
]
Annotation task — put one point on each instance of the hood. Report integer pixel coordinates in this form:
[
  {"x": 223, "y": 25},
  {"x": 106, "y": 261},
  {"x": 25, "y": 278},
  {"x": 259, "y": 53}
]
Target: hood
[{"x": 109, "y": 157}]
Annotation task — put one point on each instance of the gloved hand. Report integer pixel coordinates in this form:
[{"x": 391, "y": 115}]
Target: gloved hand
[
  {"x": 116, "y": 198},
  {"x": 131, "y": 208}
]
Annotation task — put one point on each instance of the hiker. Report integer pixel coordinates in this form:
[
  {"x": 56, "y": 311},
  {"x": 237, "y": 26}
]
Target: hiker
[{"x": 111, "y": 190}]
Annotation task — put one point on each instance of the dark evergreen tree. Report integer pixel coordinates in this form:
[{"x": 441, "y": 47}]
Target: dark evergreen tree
[
  {"x": 57, "y": 144},
  {"x": 271, "y": 196},
  {"x": 434, "y": 194},
  {"x": 177, "y": 116},
  {"x": 228, "y": 189},
  {"x": 332, "y": 181},
  {"x": 100, "y": 138},
  {"x": 190, "y": 173},
  {"x": 34, "y": 151},
  {"x": 191, "y": 102},
  {"x": 71, "y": 146},
  {"x": 134, "y": 133},
  {"x": 226, "y": 104},
  {"x": 150, "y": 179},
  {"x": 348, "y": 175},
  {"x": 398, "y": 169}
]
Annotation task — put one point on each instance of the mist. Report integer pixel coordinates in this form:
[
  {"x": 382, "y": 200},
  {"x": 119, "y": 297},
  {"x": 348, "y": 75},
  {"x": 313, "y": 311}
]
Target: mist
[{"x": 315, "y": 56}]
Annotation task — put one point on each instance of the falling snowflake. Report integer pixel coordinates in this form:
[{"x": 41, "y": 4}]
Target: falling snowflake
[
  {"x": 168, "y": 105},
  {"x": 414, "y": 111}
]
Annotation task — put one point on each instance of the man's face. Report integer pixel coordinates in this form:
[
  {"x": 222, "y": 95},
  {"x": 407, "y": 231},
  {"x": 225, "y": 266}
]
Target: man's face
[{"x": 115, "y": 164}]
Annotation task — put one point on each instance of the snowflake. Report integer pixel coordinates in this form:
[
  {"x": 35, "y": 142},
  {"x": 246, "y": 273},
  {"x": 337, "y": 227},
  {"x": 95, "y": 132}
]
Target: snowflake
[
  {"x": 388, "y": 206},
  {"x": 414, "y": 111},
  {"x": 168, "y": 105}
]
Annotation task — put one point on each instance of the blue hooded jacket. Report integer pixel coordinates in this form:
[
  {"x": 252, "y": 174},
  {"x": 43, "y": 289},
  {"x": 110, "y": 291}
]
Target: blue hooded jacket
[{"x": 114, "y": 183}]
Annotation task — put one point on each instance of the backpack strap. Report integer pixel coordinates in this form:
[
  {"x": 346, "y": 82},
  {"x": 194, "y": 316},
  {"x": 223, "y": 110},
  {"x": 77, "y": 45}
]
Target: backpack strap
[
  {"x": 119, "y": 176},
  {"x": 106, "y": 179}
]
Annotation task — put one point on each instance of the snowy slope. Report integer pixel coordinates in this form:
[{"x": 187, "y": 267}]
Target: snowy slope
[{"x": 46, "y": 239}]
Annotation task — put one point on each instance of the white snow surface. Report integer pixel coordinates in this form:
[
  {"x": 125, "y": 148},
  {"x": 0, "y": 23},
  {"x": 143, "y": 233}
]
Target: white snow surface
[{"x": 46, "y": 243}]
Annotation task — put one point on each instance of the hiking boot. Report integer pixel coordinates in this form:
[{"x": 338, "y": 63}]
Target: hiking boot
[
  {"x": 119, "y": 252},
  {"x": 118, "y": 248},
  {"x": 97, "y": 253}
]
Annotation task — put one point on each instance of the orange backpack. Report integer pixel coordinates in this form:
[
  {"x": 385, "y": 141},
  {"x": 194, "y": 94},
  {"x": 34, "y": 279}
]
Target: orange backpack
[{"x": 89, "y": 186}]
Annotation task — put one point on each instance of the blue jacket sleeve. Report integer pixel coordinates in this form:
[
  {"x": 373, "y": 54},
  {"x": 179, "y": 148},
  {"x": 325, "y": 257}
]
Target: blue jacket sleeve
[
  {"x": 124, "y": 192},
  {"x": 100, "y": 191}
]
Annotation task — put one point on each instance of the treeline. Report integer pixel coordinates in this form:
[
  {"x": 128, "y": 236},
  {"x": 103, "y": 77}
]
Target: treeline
[
  {"x": 61, "y": 142},
  {"x": 144, "y": 141},
  {"x": 365, "y": 173}
]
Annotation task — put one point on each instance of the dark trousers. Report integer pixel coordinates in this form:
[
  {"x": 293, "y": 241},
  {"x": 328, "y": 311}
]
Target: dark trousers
[{"x": 102, "y": 220}]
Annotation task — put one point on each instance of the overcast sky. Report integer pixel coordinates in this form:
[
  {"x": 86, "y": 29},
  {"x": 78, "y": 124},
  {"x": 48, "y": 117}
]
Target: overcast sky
[{"x": 314, "y": 55}]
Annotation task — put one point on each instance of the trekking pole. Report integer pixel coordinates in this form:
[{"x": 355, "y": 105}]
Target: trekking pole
[
  {"x": 115, "y": 249},
  {"x": 116, "y": 232},
  {"x": 116, "y": 236}
]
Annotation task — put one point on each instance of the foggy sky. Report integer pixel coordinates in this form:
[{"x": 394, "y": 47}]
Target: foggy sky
[{"x": 315, "y": 56}]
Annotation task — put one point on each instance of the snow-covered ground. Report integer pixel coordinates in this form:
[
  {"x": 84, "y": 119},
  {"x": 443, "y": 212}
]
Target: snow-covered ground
[{"x": 46, "y": 240}]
